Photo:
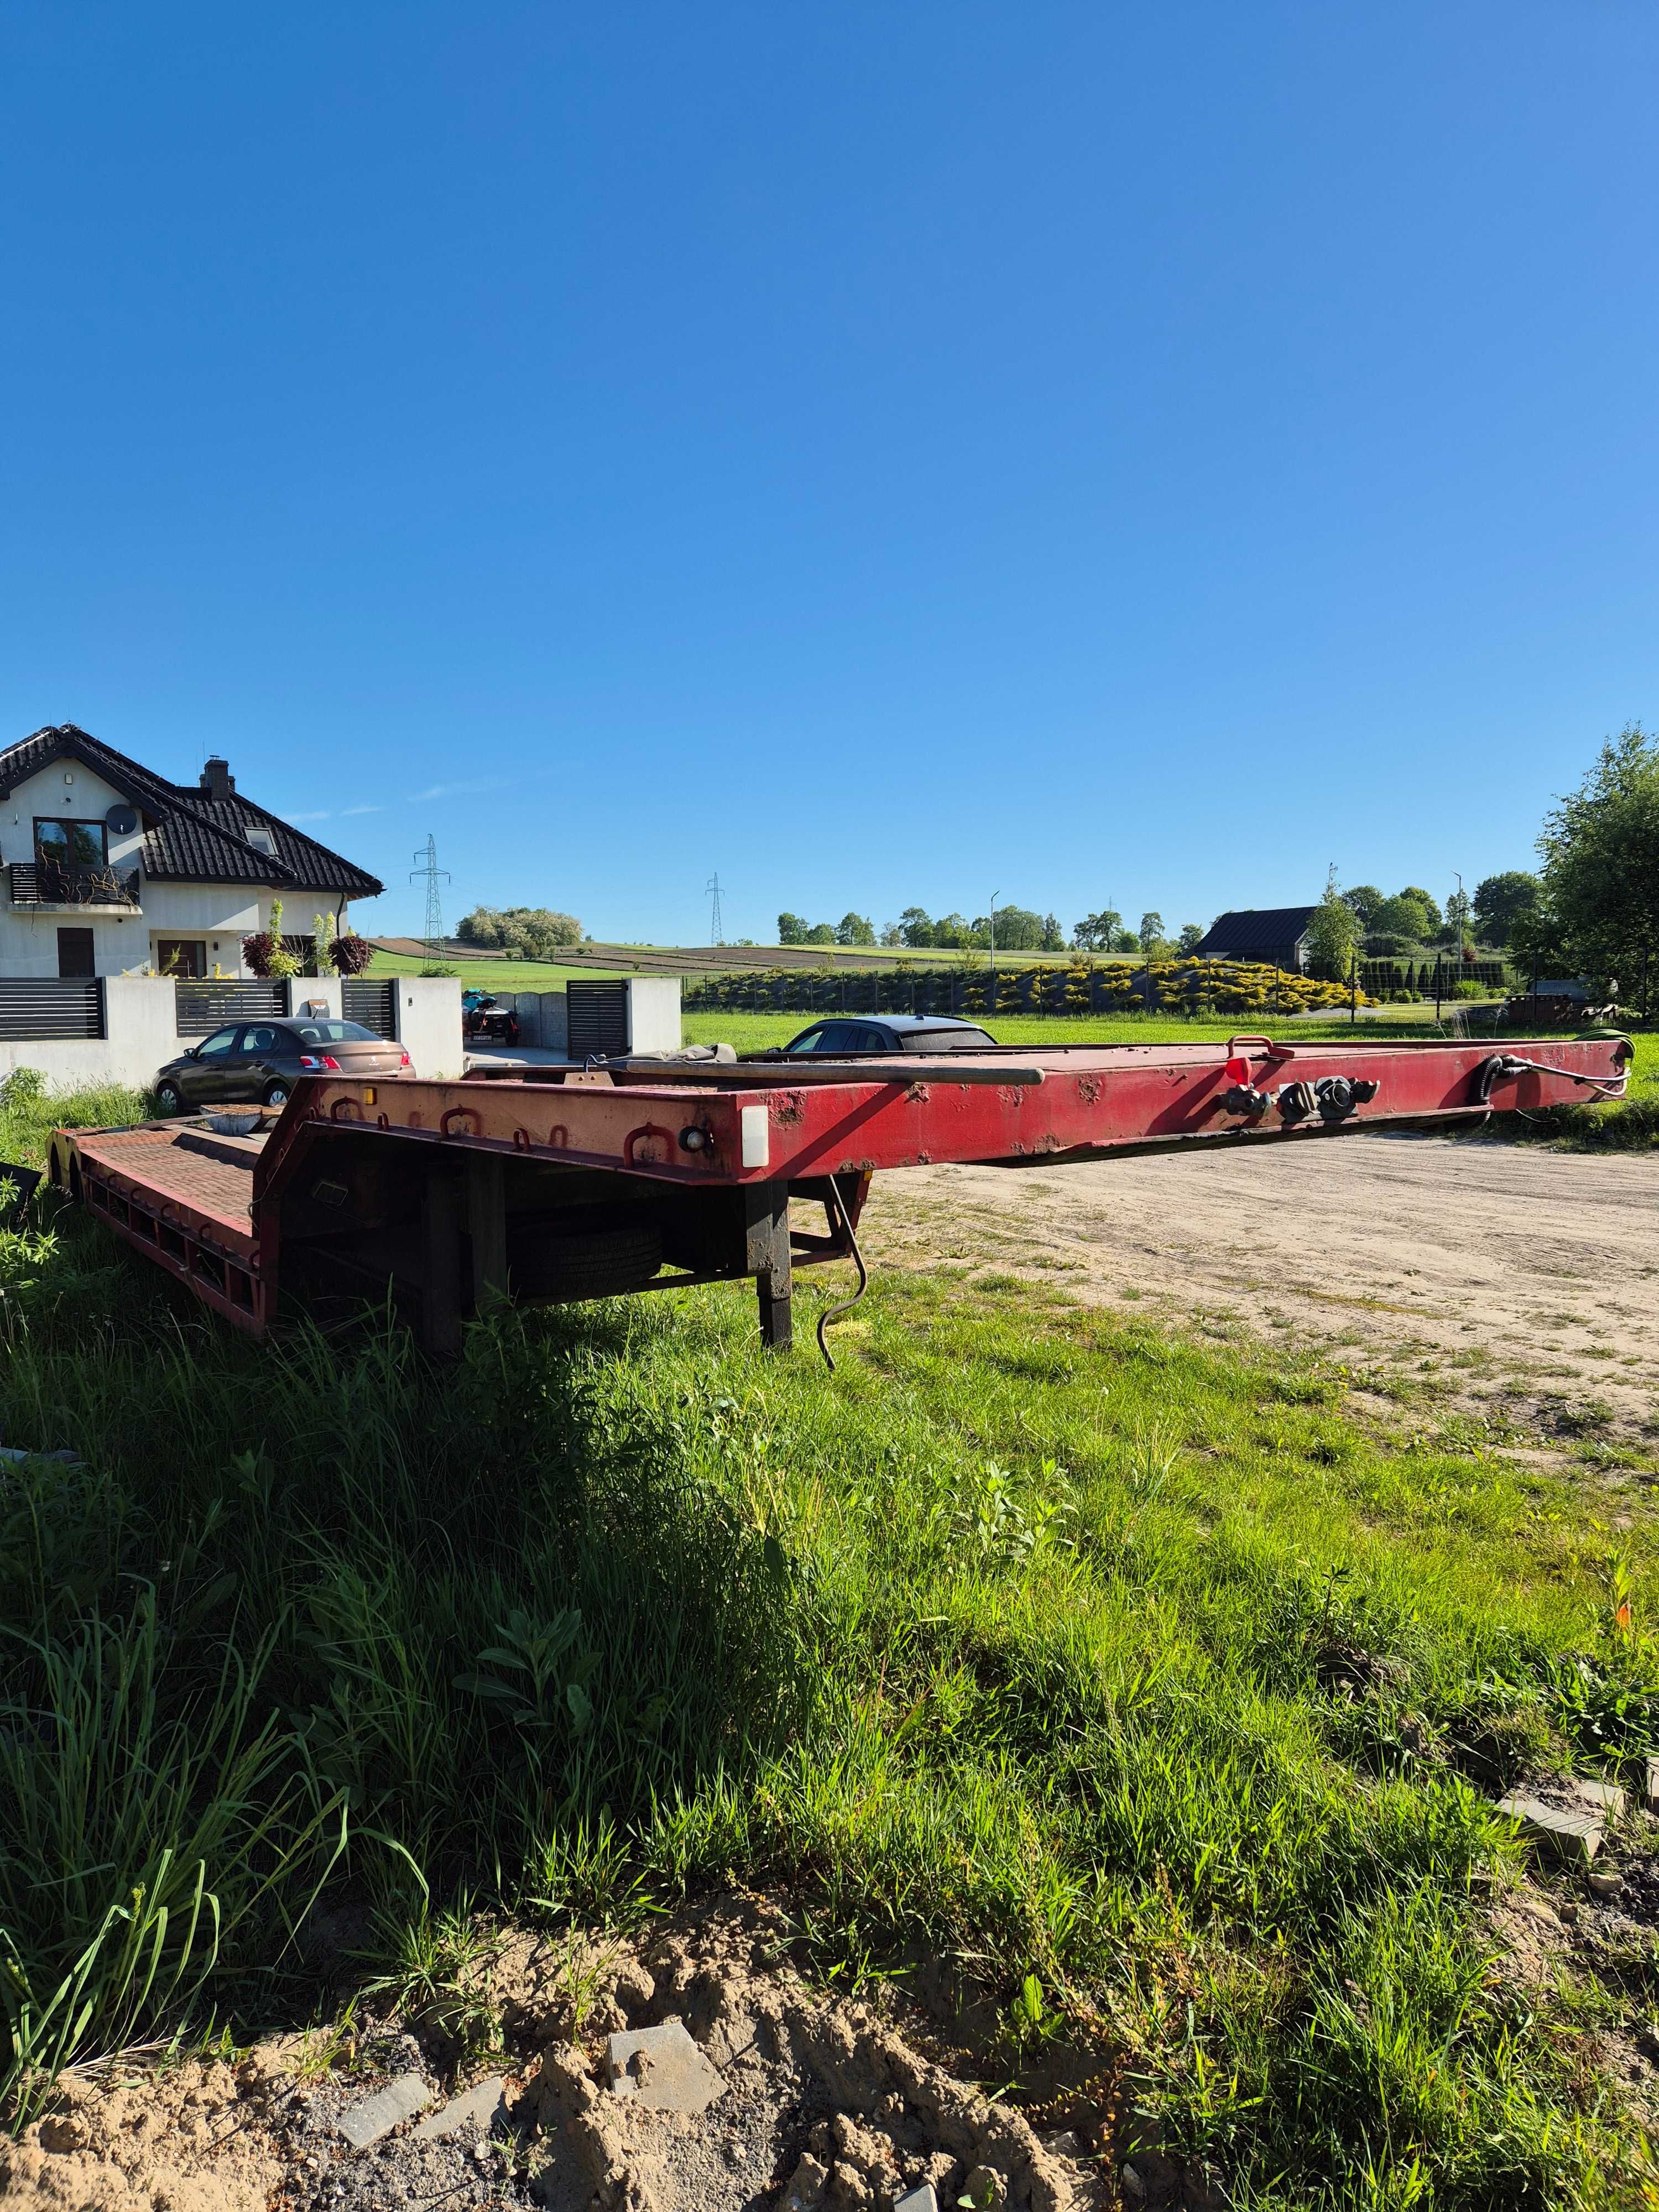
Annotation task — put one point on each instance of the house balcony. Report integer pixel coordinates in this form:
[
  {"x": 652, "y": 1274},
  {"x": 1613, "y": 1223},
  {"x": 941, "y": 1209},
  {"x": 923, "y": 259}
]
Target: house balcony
[{"x": 46, "y": 887}]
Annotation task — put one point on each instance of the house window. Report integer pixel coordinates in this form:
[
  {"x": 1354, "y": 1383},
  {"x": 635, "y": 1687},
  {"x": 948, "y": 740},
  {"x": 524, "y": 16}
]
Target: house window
[
  {"x": 74, "y": 953},
  {"x": 73, "y": 846},
  {"x": 181, "y": 956}
]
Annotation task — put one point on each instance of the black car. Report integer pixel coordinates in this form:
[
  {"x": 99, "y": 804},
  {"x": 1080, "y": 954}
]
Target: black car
[
  {"x": 259, "y": 1062},
  {"x": 844, "y": 1038}
]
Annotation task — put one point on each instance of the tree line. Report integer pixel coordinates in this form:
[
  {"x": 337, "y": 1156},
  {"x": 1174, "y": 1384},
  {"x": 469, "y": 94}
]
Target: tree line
[{"x": 1011, "y": 929}]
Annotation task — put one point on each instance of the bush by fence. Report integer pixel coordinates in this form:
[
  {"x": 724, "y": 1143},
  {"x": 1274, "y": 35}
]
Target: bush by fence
[{"x": 1194, "y": 986}]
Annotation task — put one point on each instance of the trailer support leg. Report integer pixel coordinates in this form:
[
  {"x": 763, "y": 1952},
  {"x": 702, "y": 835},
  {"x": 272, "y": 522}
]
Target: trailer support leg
[
  {"x": 440, "y": 1289},
  {"x": 766, "y": 1256},
  {"x": 486, "y": 1222}
]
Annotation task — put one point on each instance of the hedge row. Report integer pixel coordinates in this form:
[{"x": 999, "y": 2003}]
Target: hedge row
[{"x": 1189, "y": 985}]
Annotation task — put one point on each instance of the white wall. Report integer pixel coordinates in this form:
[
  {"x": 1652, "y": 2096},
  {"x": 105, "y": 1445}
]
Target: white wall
[
  {"x": 142, "y": 1018},
  {"x": 303, "y": 990},
  {"x": 429, "y": 1023},
  {"x": 654, "y": 1013}
]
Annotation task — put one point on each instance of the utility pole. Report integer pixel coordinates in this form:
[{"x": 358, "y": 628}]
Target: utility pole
[
  {"x": 427, "y": 867},
  {"x": 712, "y": 892}
]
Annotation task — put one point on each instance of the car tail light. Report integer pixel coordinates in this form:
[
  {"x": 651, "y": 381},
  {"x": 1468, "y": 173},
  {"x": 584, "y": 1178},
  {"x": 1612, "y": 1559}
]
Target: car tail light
[
  {"x": 314, "y": 1062},
  {"x": 405, "y": 1058}
]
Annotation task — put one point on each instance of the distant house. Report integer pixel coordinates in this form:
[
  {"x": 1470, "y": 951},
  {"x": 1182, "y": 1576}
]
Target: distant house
[
  {"x": 1275, "y": 935},
  {"x": 108, "y": 867}
]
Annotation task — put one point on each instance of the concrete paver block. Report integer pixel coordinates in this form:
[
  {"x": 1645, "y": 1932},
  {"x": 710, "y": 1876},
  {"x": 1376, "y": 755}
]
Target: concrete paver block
[
  {"x": 365, "y": 2123},
  {"x": 1567, "y": 1835},
  {"x": 924, "y": 2199},
  {"x": 1608, "y": 1797},
  {"x": 486, "y": 2103},
  {"x": 663, "y": 2068}
]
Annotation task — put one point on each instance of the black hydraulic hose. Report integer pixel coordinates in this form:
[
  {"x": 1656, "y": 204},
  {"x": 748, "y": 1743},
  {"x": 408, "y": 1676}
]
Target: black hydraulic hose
[
  {"x": 834, "y": 1313},
  {"x": 1506, "y": 1063}
]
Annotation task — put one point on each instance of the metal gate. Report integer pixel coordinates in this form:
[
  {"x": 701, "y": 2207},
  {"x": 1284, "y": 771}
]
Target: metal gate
[
  {"x": 598, "y": 1020},
  {"x": 204, "y": 1007},
  {"x": 38, "y": 1008},
  {"x": 372, "y": 1000}
]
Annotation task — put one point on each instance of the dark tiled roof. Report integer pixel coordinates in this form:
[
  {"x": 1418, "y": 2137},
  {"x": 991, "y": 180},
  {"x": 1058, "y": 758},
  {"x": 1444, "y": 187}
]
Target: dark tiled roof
[
  {"x": 1256, "y": 929},
  {"x": 189, "y": 834}
]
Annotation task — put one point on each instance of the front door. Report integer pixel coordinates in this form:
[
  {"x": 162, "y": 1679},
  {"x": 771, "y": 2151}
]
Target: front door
[
  {"x": 75, "y": 956},
  {"x": 181, "y": 956}
]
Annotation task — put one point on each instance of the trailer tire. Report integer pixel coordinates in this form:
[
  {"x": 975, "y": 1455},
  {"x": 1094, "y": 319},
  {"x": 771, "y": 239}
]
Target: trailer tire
[{"x": 593, "y": 1263}]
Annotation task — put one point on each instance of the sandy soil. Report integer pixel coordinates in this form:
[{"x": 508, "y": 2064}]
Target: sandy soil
[
  {"x": 1523, "y": 1281},
  {"x": 819, "y": 2105}
]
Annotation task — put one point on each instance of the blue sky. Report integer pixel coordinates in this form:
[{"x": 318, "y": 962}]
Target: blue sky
[{"x": 888, "y": 455}]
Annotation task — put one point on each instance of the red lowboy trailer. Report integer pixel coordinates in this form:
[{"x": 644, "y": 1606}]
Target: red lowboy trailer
[{"x": 556, "y": 1185}]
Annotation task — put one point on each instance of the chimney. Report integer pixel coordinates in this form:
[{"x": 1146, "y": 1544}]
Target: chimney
[{"x": 217, "y": 778}]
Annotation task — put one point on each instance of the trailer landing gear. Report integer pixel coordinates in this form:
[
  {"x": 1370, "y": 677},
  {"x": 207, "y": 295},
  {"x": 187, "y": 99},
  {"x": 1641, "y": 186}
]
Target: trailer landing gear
[{"x": 766, "y": 1256}]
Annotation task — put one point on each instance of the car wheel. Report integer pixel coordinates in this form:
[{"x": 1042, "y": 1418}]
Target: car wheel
[
  {"x": 276, "y": 1095},
  {"x": 169, "y": 1098}
]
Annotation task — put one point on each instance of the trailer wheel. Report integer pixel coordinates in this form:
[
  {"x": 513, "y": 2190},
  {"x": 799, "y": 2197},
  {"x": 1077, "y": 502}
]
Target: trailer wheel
[{"x": 597, "y": 1263}]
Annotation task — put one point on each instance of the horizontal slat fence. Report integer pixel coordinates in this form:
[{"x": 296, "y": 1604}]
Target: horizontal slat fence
[
  {"x": 37, "y": 1008},
  {"x": 206, "y": 1007},
  {"x": 371, "y": 1000}
]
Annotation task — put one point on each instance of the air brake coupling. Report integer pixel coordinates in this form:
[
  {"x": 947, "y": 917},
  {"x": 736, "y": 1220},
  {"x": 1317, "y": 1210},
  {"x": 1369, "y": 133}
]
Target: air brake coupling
[
  {"x": 1245, "y": 1098},
  {"x": 1333, "y": 1097}
]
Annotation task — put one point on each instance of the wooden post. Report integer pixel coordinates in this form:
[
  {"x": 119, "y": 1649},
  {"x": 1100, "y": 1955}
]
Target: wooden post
[{"x": 766, "y": 1256}]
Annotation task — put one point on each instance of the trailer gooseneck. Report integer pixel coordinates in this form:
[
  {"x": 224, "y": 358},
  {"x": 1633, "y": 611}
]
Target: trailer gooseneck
[{"x": 556, "y": 1185}]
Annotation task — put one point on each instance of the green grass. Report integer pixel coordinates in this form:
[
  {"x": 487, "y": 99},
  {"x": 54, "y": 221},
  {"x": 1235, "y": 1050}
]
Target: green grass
[{"x": 1019, "y": 1641}]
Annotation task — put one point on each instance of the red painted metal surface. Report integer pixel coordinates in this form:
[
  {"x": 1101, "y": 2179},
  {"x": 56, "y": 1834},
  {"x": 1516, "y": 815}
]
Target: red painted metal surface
[
  {"x": 208, "y": 1207},
  {"x": 1091, "y": 1098},
  {"x": 184, "y": 1198}
]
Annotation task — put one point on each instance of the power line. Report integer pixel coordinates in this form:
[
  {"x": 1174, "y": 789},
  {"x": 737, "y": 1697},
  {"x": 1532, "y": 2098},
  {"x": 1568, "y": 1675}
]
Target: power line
[
  {"x": 712, "y": 892},
  {"x": 426, "y": 857}
]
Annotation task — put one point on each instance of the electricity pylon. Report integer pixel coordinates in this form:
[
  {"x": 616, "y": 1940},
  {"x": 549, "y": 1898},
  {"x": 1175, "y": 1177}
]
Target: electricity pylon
[{"x": 428, "y": 858}]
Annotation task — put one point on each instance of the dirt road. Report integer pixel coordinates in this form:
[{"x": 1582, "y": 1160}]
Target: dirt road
[{"x": 1523, "y": 1279}]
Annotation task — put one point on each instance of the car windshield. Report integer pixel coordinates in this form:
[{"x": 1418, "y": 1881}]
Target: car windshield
[{"x": 334, "y": 1033}]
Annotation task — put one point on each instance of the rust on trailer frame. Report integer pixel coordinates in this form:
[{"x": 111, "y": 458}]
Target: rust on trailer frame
[{"x": 443, "y": 1189}]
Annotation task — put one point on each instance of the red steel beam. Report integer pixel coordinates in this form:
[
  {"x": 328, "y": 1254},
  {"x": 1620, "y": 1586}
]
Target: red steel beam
[{"x": 761, "y": 1127}]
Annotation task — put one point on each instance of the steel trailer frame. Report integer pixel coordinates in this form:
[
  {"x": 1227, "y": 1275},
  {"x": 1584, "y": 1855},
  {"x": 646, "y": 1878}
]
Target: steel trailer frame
[{"x": 565, "y": 1184}]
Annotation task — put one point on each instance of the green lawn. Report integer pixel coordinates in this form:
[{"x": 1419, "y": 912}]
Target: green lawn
[{"x": 1031, "y": 1639}]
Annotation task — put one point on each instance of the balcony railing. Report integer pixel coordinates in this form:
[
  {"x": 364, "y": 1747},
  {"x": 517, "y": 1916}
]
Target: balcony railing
[{"x": 48, "y": 883}]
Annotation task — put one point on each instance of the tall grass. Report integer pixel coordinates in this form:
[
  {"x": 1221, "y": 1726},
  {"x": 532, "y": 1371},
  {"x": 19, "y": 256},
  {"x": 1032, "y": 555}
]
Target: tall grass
[{"x": 1029, "y": 1640}]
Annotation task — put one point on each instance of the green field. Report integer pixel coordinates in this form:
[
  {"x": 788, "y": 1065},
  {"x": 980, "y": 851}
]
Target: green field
[
  {"x": 1033, "y": 1639},
  {"x": 494, "y": 974}
]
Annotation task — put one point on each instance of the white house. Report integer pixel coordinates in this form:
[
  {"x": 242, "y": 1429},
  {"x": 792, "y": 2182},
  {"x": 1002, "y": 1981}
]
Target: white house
[{"x": 108, "y": 869}]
